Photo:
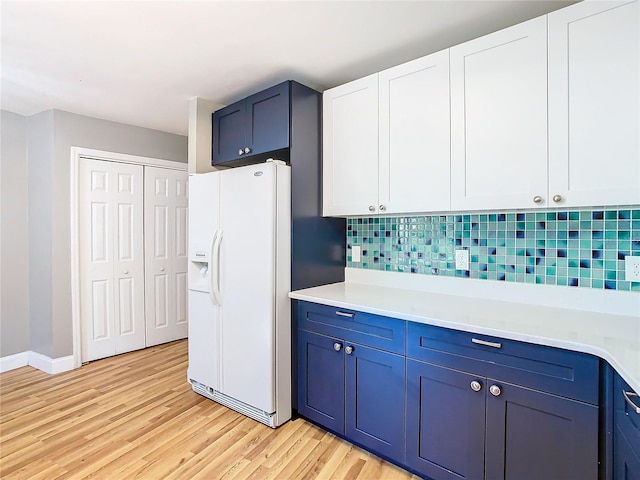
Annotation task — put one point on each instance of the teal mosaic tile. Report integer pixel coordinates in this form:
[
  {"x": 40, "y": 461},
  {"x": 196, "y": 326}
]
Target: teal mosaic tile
[{"x": 574, "y": 248}]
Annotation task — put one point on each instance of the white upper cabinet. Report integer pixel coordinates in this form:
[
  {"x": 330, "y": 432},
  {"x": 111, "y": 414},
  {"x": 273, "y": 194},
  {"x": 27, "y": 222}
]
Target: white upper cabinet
[
  {"x": 350, "y": 148},
  {"x": 499, "y": 119},
  {"x": 414, "y": 161},
  {"x": 594, "y": 131},
  {"x": 386, "y": 141}
]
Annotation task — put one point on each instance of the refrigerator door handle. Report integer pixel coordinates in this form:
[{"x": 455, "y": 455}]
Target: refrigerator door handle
[
  {"x": 215, "y": 268},
  {"x": 211, "y": 269}
]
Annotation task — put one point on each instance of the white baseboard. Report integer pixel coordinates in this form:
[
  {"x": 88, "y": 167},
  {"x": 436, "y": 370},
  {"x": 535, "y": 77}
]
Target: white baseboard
[
  {"x": 11, "y": 362},
  {"x": 36, "y": 360}
]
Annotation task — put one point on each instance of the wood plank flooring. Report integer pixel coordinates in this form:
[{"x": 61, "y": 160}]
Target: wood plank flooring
[{"x": 135, "y": 416}]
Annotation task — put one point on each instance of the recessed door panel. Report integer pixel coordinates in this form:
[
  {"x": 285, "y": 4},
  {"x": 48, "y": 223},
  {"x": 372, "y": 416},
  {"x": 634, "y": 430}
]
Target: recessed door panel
[{"x": 100, "y": 303}]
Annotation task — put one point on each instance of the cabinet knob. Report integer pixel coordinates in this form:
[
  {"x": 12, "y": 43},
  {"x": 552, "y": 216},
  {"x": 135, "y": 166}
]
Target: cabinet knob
[
  {"x": 240, "y": 151},
  {"x": 495, "y": 390},
  {"x": 348, "y": 350},
  {"x": 247, "y": 150},
  {"x": 557, "y": 198},
  {"x": 337, "y": 346},
  {"x": 537, "y": 199},
  {"x": 162, "y": 269},
  {"x": 372, "y": 208},
  {"x": 382, "y": 208},
  {"x": 126, "y": 272},
  {"x": 476, "y": 386}
]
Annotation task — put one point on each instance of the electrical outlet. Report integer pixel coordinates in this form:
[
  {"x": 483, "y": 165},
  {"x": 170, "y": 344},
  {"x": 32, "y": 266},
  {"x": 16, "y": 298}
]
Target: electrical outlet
[
  {"x": 355, "y": 254},
  {"x": 632, "y": 268},
  {"x": 462, "y": 260}
]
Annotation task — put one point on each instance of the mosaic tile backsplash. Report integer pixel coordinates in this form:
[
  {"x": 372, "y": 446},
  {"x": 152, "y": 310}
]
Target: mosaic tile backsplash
[{"x": 574, "y": 248}]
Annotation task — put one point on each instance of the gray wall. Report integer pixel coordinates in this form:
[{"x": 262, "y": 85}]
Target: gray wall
[
  {"x": 14, "y": 228},
  {"x": 50, "y": 136}
]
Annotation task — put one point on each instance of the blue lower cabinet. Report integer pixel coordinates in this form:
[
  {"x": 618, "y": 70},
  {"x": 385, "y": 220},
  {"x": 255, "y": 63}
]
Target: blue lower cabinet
[
  {"x": 626, "y": 433},
  {"x": 353, "y": 390},
  {"x": 321, "y": 380},
  {"x": 466, "y": 426},
  {"x": 375, "y": 383},
  {"x": 445, "y": 422},
  {"x": 531, "y": 435}
]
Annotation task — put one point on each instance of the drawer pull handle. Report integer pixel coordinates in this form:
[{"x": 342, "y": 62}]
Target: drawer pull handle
[
  {"x": 345, "y": 314},
  {"x": 627, "y": 397},
  {"x": 486, "y": 343},
  {"x": 476, "y": 386}
]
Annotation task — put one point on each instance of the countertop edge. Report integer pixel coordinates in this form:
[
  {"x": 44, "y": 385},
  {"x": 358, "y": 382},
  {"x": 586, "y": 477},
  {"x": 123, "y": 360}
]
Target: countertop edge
[{"x": 634, "y": 383}]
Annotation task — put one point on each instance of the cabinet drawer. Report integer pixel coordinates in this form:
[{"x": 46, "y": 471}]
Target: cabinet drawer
[
  {"x": 563, "y": 372},
  {"x": 375, "y": 331},
  {"x": 626, "y": 418}
]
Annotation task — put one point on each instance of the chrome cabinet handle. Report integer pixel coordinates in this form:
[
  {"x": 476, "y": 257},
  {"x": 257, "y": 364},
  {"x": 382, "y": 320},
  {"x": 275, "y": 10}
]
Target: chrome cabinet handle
[
  {"x": 372, "y": 208},
  {"x": 495, "y": 390},
  {"x": 240, "y": 151},
  {"x": 476, "y": 386},
  {"x": 382, "y": 208},
  {"x": 348, "y": 350},
  {"x": 537, "y": 199},
  {"x": 486, "y": 343},
  {"x": 337, "y": 346},
  {"x": 557, "y": 198},
  {"x": 627, "y": 397},
  {"x": 344, "y": 314}
]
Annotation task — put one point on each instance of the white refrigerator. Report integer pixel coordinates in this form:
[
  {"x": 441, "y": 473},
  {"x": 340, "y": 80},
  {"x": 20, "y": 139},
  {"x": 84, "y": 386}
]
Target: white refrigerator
[{"x": 239, "y": 280}]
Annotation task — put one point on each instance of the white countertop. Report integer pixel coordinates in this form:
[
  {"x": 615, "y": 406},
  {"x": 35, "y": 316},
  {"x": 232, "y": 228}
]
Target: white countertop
[{"x": 613, "y": 337}]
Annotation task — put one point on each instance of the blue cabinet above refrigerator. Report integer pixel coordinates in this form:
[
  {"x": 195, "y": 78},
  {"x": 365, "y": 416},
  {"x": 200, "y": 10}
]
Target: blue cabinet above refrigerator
[{"x": 254, "y": 128}]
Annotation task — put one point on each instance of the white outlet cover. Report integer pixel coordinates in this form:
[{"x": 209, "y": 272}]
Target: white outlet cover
[
  {"x": 355, "y": 253},
  {"x": 632, "y": 268},
  {"x": 462, "y": 260}
]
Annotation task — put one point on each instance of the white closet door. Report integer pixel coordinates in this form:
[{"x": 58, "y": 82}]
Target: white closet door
[
  {"x": 111, "y": 258},
  {"x": 165, "y": 255}
]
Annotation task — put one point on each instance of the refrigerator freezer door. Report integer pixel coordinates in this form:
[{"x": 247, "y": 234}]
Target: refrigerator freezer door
[
  {"x": 204, "y": 315},
  {"x": 247, "y": 284}
]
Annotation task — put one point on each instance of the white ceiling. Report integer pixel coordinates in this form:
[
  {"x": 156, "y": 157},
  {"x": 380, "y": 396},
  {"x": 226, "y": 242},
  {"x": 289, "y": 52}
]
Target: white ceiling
[{"x": 139, "y": 62}]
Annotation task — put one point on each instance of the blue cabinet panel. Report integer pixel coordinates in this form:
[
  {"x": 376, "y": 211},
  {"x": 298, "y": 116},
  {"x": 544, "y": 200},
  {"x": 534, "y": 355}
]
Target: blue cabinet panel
[
  {"x": 375, "y": 386},
  {"x": 531, "y": 435},
  {"x": 228, "y": 132},
  {"x": 626, "y": 435},
  {"x": 563, "y": 372},
  {"x": 321, "y": 380},
  {"x": 372, "y": 330},
  {"x": 267, "y": 118},
  {"x": 626, "y": 461},
  {"x": 445, "y": 422}
]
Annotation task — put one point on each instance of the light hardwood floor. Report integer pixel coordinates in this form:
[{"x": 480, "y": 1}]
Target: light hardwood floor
[{"x": 135, "y": 416}]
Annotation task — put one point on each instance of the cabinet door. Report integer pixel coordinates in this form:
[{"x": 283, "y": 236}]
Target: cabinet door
[
  {"x": 445, "y": 422},
  {"x": 267, "y": 120},
  {"x": 533, "y": 435},
  {"x": 594, "y": 80},
  {"x": 626, "y": 435},
  {"x": 321, "y": 380},
  {"x": 499, "y": 119},
  {"x": 350, "y": 148},
  {"x": 415, "y": 136},
  {"x": 626, "y": 463},
  {"x": 228, "y": 132},
  {"x": 375, "y": 383}
]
